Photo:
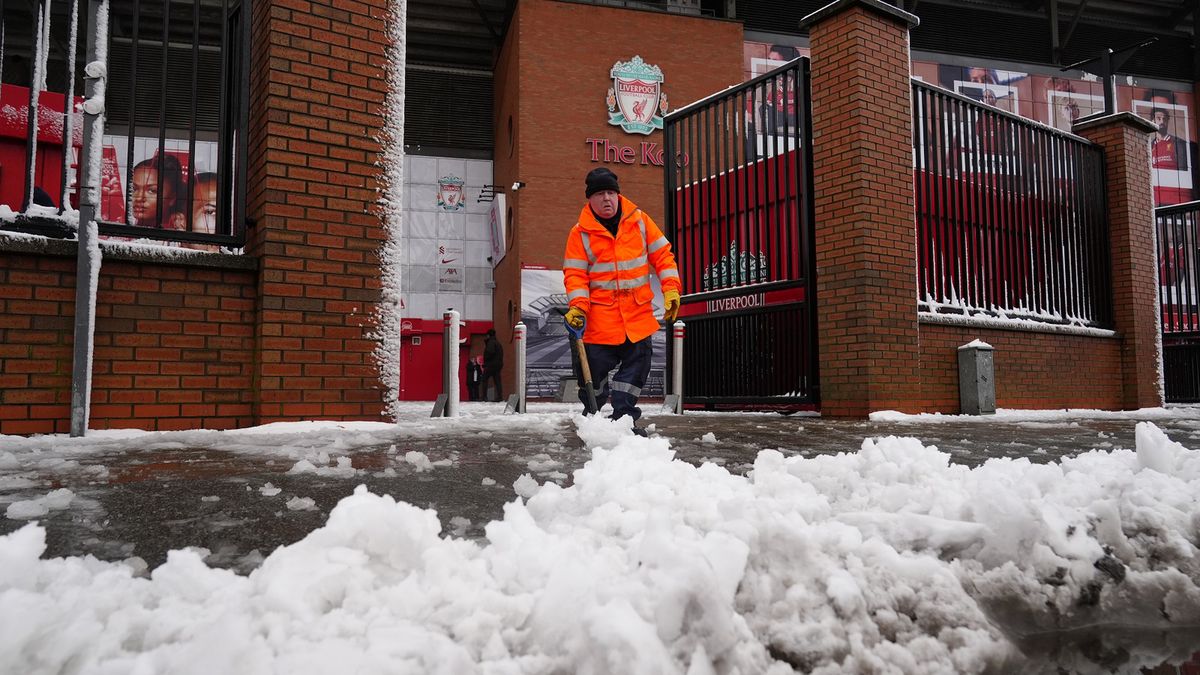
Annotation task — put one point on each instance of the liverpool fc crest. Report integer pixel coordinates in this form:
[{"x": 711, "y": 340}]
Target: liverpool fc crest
[
  {"x": 636, "y": 102},
  {"x": 450, "y": 192}
]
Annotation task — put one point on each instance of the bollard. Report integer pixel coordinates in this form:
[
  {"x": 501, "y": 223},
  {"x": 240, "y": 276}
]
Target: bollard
[
  {"x": 450, "y": 363},
  {"x": 976, "y": 381},
  {"x": 516, "y": 402},
  {"x": 674, "y": 401}
]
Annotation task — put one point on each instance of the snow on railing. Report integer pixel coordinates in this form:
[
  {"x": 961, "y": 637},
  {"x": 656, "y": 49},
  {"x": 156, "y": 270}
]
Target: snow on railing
[{"x": 1011, "y": 216}]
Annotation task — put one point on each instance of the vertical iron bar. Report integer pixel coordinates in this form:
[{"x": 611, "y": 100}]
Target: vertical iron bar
[
  {"x": 162, "y": 112},
  {"x": 808, "y": 238},
  {"x": 1055, "y": 250},
  {"x": 779, "y": 165},
  {"x": 754, "y": 202},
  {"x": 794, "y": 184},
  {"x": 696, "y": 195},
  {"x": 1045, "y": 179},
  {"x": 68, "y": 134},
  {"x": 739, "y": 183},
  {"x": 963, "y": 196},
  {"x": 88, "y": 256},
  {"x": 188, "y": 207},
  {"x": 3, "y": 36},
  {"x": 36, "y": 75},
  {"x": 725, "y": 176},
  {"x": 136, "y": 18},
  {"x": 921, "y": 209},
  {"x": 1187, "y": 223},
  {"x": 709, "y": 179}
]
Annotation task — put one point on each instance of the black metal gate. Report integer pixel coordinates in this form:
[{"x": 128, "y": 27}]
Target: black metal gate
[
  {"x": 740, "y": 219},
  {"x": 1179, "y": 297}
]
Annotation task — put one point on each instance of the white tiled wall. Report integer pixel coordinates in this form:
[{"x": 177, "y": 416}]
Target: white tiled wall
[{"x": 426, "y": 224}]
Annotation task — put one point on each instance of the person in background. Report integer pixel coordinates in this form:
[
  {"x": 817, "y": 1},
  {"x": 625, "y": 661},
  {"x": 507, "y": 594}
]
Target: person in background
[
  {"x": 1167, "y": 151},
  {"x": 611, "y": 252},
  {"x": 204, "y": 203},
  {"x": 42, "y": 198},
  {"x": 204, "y": 208},
  {"x": 779, "y": 109},
  {"x": 474, "y": 377},
  {"x": 1066, "y": 110},
  {"x": 982, "y": 75},
  {"x": 155, "y": 192},
  {"x": 493, "y": 363}
]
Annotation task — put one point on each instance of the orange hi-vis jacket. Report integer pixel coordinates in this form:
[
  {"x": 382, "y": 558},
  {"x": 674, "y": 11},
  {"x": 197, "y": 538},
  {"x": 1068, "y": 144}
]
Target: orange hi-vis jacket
[{"x": 609, "y": 278}]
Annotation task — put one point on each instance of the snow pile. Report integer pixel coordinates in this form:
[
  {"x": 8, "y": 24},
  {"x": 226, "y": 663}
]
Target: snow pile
[{"x": 890, "y": 558}]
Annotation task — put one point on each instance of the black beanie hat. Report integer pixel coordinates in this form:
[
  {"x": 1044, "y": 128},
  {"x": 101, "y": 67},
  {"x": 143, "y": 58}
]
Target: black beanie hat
[{"x": 601, "y": 179}]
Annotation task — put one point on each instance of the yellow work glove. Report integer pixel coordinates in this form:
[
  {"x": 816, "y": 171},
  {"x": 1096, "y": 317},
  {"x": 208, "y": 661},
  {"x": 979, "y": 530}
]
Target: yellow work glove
[
  {"x": 671, "y": 298},
  {"x": 575, "y": 318}
]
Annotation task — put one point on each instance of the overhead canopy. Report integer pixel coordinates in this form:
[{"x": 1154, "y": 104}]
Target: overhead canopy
[
  {"x": 457, "y": 33},
  {"x": 469, "y": 33}
]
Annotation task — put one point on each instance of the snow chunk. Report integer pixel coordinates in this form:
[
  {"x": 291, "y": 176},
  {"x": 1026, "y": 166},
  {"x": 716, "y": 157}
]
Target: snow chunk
[
  {"x": 301, "y": 504},
  {"x": 270, "y": 490},
  {"x": 525, "y": 486},
  {"x": 36, "y": 508},
  {"x": 419, "y": 461}
]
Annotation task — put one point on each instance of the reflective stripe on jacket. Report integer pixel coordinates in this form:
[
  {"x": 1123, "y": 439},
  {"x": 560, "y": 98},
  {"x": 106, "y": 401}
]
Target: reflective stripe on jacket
[{"x": 609, "y": 277}]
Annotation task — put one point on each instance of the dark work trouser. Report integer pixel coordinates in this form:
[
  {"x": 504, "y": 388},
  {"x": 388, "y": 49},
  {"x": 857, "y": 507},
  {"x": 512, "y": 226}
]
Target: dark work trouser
[
  {"x": 626, "y": 385},
  {"x": 492, "y": 376}
]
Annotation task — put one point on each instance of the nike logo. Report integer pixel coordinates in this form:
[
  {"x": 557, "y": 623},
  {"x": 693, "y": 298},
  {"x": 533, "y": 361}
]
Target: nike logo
[{"x": 444, "y": 261}]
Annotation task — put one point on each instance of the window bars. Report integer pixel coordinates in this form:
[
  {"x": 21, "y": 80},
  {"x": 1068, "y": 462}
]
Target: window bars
[{"x": 171, "y": 165}]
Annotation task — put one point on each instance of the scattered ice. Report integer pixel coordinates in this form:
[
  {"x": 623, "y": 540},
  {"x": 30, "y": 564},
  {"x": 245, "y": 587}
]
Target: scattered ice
[
  {"x": 270, "y": 490},
  {"x": 526, "y": 486},
  {"x": 36, "y": 508},
  {"x": 301, "y": 504},
  {"x": 418, "y": 460}
]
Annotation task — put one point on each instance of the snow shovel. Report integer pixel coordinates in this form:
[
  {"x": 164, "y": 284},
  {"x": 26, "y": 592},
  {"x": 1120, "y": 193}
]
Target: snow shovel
[{"x": 589, "y": 388}]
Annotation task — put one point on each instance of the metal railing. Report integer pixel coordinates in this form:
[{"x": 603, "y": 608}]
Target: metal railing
[
  {"x": 1011, "y": 215},
  {"x": 740, "y": 218},
  {"x": 764, "y": 357},
  {"x": 1178, "y": 240},
  {"x": 175, "y": 115},
  {"x": 736, "y": 171},
  {"x": 1178, "y": 277}
]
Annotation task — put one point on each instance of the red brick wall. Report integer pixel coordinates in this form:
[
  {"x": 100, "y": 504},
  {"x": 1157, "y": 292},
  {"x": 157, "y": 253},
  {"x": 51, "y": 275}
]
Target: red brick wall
[
  {"x": 317, "y": 90},
  {"x": 173, "y": 345},
  {"x": 863, "y": 199},
  {"x": 1032, "y": 370}
]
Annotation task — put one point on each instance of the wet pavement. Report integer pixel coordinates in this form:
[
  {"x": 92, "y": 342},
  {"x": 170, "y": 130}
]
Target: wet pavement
[
  {"x": 241, "y": 500},
  {"x": 174, "y": 494}
]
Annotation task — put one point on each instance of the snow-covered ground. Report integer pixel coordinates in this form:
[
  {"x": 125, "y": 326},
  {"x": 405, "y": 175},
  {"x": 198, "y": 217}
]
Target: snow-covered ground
[{"x": 885, "y": 558}]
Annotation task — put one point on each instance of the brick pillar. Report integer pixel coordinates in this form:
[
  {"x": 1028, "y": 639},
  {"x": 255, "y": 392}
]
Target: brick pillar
[
  {"x": 1124, "y": 137},
  {"x": 316, "y": 93},
  {"x": 863, "y": 194}
]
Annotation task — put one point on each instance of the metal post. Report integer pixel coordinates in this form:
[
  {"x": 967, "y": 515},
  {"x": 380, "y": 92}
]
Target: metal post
[
  {"x": 450, "y": 364},
  {"x": 516, "y": 402},
  {"x": 88, "y": 261},
  {"x": 674, "y": 400}
]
